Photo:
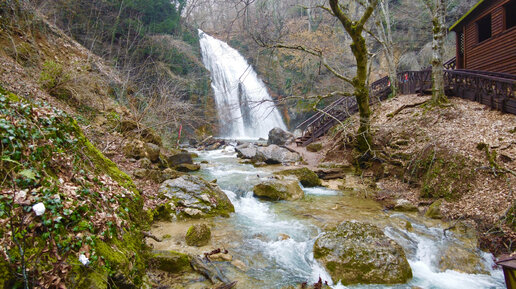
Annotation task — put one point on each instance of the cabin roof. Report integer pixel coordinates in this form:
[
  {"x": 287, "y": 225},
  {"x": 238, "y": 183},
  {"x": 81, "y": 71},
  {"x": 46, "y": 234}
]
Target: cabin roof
[{"x": 467, "y": 14}]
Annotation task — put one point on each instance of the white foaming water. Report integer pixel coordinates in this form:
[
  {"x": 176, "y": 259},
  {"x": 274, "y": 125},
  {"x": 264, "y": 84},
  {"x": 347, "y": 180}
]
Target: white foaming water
[
  {"x": 320, "y": 191},
  {"x": 244, "y": 106},
  {"x": 278, "y": 262}
]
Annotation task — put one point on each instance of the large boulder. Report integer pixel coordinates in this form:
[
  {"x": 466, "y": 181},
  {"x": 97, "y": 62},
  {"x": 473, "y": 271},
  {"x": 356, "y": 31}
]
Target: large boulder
[
  {"x": 356, "y": 252},
  {"x": 192, "y": 197},
  {"x": 246, "y": 151},
  {"x": 274, "y": 154},
  {"x": 280, "y": 137},
  {"x": 198, "y": 235},
  {"x": 307, "y": 177},
  {"x": 279, "y": 189},
  {"x": 179, "y": 158}
]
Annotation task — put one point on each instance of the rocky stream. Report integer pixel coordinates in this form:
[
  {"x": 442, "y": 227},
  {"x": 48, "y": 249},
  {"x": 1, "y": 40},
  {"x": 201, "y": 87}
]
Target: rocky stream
[{"x": 340, "y": 236}]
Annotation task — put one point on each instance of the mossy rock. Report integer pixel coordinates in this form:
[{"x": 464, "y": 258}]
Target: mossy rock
[
  {"x": 186, "y": 168},
  {"x": 198, "y": 235},
  {"x": 179, "y": 158},
  {"x": 171, "y": 261},
  {"x": 307, "y": 177},
  {"x": 190, "y": 194},
  {"x": 441, "y": 174},
  {"x": 357, "y": 252},
  {"x": 434, "y": 211},
  {"x": 151, "y": 136},
  {"x": 276, "y": 190},
  {"x": 314, "y": 147},
  {"x": 152, "y": 152},
  {"x": 128, "y": 125},
  {"x": 402, "y": 205},
  {"x": 135, "y": 149}
]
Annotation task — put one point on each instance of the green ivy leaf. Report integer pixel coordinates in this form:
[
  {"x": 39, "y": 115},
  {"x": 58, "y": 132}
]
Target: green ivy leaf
[{"x": 29, "y": 174}]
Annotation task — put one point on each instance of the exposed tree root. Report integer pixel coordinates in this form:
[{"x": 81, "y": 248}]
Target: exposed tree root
[{"x": 405, "y": 106}]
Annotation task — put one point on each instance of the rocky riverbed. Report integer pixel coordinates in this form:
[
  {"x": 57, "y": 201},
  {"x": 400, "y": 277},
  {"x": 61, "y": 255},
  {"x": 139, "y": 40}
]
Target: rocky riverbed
[{"x": 270, "y": 244}]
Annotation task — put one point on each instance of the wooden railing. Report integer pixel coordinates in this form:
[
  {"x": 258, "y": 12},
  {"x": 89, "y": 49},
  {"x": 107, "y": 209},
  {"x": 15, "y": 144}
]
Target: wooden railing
[{"x": 497, "y": 90}]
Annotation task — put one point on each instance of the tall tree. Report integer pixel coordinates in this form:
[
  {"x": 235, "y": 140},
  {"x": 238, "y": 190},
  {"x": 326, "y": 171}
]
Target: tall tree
[
  {"x": 437, "y": 9},
  {"x": 355, "y": 30}
]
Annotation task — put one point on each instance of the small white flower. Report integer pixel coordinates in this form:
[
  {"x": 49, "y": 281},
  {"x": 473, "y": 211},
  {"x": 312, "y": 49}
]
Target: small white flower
[
  {"x": 84, "y": 260},
  {"x": 39, "y": 209}
]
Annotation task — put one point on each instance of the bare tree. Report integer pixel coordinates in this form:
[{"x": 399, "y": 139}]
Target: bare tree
[{"x": 384, "y": 28}]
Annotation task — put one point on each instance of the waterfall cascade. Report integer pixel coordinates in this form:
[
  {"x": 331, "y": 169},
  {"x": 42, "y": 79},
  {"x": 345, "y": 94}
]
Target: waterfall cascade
[{"x": 244, "y": 106}]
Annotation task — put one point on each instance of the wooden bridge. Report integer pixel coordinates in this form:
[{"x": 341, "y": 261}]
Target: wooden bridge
[{"x": 496, "y": 90}]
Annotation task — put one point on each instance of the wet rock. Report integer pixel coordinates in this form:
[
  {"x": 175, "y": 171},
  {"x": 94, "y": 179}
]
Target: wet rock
[
  {"x": 179, "y": 158},
  {"x": 314, "y": 147},
  {"x": 403, "y": 205},
  {"x": 198, "y": 235},
  {"x": 331, "y": 173},
  {"x": 214, "y": 146},
  {"x": 246, "y": 151},
  {"x": 156, "y": 175},
  {"x": 274, "y": 154},
  {"x": 356, "y": 252},
  {"x": 259, "y": 164},
  {"x": 192, "y": 196},
  {"x": 170, "y": 261},
  {"x": 152, "y": 152},
  {"x": 239, "y": 265},
  {"x": 307, "y": 177},
  {"x": 221, "y": 257},
  {"x": 188, "y": 168},
  {"x": 280, "y": 189},
  {"x": 465, "y": 260},
  {"x": 283, "y": 237},
  {"x": 434, "y": 211},
  {"x": 280, "y": 137}
]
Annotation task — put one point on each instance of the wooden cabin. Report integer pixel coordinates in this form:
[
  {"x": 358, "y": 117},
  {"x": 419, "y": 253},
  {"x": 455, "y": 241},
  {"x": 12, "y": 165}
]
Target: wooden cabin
[{"x": 486, "y": 37}]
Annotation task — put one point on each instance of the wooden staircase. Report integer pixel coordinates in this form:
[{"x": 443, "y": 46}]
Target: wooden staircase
[{"x": 321, "y": 122}]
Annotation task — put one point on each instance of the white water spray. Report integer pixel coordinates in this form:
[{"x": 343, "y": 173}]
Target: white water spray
[{"x": 245, "y": 108}]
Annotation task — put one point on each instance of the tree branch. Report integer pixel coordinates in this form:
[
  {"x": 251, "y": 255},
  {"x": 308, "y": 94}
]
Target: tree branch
[{"x": 317, "y": 53}]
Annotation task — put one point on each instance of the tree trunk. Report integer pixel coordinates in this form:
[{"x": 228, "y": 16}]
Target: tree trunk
[
  {"x": 385, "y": 35},
  {"x": 359, "y": 49},
  {"x": 439, "y": 28},
  {"x": 364, "y": 137}
]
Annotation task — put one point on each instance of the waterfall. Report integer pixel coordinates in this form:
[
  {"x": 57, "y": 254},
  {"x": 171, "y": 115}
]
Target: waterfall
[{"x": 244, "y": 106}]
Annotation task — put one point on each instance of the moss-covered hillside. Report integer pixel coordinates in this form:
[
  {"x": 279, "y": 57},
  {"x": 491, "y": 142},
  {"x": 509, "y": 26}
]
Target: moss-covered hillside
[{"x": 69, "y": 217}]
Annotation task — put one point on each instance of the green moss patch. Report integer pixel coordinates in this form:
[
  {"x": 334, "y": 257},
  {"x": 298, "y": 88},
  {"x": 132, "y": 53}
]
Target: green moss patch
[
  {"x": 441, "y": 174},
  {"x": 198, "y": 235},
  {"x": 91, "y": 208},
  {"x": 307, "y": 177}
]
